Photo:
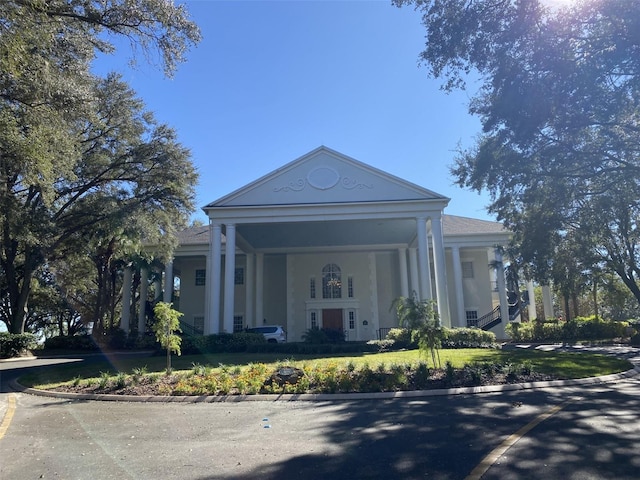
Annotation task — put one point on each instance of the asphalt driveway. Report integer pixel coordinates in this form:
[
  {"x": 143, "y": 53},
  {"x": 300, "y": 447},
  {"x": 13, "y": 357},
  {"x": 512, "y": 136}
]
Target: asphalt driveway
[{"x": 572, "y": 432}]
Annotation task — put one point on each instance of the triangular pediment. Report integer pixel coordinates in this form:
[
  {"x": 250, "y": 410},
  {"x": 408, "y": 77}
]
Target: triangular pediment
[{"x": 325, "y": 176}]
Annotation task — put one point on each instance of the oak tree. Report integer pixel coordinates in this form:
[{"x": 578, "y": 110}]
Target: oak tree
[
  {"x": 80, "y": 159},
  {"x": 559, "y": 99}
]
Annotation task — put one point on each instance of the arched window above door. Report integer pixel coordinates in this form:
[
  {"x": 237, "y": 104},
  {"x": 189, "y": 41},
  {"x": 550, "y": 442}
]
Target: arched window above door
[{"x": 331, "y": 281}]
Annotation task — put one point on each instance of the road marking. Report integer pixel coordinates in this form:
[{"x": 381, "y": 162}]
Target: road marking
[
  {"x": 8, "y": 416},
  {"x": 497, "y": 452}
]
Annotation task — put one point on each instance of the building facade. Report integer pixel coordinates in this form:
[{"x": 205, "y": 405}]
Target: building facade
[{"x": 327, "y": 241}]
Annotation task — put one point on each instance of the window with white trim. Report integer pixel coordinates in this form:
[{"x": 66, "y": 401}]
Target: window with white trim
[
  {"x": 467, "y": 269},
  {"x": 352, "y": 320},
  {"x": 331, "y": 281},
  {"x": 201, "y": 277},
  {"x": 198, "y": 324},
  {"x": 314, "y": 319},
  {"x": 472, "y": 318},
  {"x": 238, "y": 276},
  {"x": 238, "y": 323},
  {"x": 312, "y": 287},
  {"x": 350, "y": 286}
]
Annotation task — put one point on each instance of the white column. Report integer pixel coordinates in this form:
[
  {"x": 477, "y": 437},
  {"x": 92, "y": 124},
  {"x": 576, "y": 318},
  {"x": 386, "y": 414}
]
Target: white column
[
  {"x": 259, "y": 288},
  {"x": 125, "y": 318},
  {"x": 144, "y": 291},
  {"x": 249, "y": 282},
  {"x": 157, "y": 288},
  {"x": 502, "y": 288},
  {"x": 532, "y": 301},
  {"x": 290, "y": 282},
  {"x": 212, "y": 325},
  {"x": 168, "y": 282},
  {"x": 547, "y": 301},
  {"x": 423, "y": 256},
  {"x": 404, "y": 279},
  {"x": 413, "y": 271},
  {"x": 229, "y": 276},
  {"x": 374, "y": 323},
  {"x": 207, "y": 290},
  {"x": 440, "y": 271},
  {"x": 459, "y": 293}
]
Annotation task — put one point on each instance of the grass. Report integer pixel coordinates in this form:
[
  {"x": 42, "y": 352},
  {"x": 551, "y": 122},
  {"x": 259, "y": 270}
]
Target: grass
[{"x": 560, "y": 364}]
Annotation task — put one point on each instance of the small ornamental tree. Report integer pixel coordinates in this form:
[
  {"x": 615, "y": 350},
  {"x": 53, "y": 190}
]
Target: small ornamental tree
[
  {"x": 421, "y": 318},
  {"x": 167, "y": 322}
]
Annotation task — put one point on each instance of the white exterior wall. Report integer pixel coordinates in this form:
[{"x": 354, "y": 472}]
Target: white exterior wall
[
  {"x": 476, "y": 291},
  {"x": 192, "y": 297},
  {"x": 239, "y": 296},
  {"x": 275, "y": 291},
  {"x": 388, "y": 289},
  {"x": 300, "y": 269}
]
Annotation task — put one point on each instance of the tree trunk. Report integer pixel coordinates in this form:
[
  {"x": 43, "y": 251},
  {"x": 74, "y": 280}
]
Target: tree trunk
[
  {"x": 19, "y": 292},
  {"x": 630, "y": 282},
  {"x": 574, "y": 301},
  {"x": 567, "y": 310},
  {"x": 595, "y": 297}
]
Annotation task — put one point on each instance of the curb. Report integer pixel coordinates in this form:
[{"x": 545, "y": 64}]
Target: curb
[
  {"x": 314, "y": 397},
  {"x": 141, "y": 353}
]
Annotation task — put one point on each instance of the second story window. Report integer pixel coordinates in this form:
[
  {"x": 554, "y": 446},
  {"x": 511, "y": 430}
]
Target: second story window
[
  {"x": 312, "y": 287},
  {"x": 331, "y": 281}
]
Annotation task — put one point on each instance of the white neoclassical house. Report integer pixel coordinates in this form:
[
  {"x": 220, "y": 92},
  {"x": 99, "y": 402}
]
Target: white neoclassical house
[{"x": 329, "y": 241}]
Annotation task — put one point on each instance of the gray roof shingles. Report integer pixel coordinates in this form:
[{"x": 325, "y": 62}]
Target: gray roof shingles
[{"x": 451, "y": 225}]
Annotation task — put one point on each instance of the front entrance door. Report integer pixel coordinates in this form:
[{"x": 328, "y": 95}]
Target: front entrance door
[{"x": 332, "y": 319}]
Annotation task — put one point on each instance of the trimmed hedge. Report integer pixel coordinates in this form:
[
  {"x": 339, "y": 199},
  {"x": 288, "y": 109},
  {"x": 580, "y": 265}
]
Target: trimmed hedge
[
  {"x": 468, "y": 338},
  {"x": 221, "y": 343},
  {"x": 580, "y": 328},
  {"x": 400, "y": 338},
  {"x": 302, "y": 348},
  {"x": 74, "y": 342},
  {"x": 13, "y": 344}
]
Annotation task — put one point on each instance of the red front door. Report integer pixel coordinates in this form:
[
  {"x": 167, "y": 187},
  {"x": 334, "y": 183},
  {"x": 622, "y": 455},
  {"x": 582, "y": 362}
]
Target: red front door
[{"x": 332, "y": 319}]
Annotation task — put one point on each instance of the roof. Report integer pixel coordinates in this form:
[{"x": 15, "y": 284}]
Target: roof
[
  {"x": 452, "y": 225},
  {"x": 324, "y": 176}
]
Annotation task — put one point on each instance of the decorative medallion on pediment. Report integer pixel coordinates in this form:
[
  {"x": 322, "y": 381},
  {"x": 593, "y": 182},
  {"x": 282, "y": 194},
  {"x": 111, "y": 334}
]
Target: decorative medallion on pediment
[{"x": 323, "y": 178}]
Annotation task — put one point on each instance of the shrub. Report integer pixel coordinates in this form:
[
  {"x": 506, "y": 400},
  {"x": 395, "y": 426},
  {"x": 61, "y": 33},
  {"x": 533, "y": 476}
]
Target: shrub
[
  {"x": 467, "y": 338},
  {"x": 384, "y": 345},
  {"x": 421, "y": 375},
  {"x": 221, "y": 343},
  {"x": 117, "y": 339},
  {"x": 579, "y": 328},
  {"x": 317, "y": 335},
  {"x": 74, "y": 342},
  {"x": 13, "y": 344},
  {"x": 401, "y": 338}
]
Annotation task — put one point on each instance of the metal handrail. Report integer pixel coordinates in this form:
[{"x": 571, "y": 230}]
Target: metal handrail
[{"x": 485, "y": 320}]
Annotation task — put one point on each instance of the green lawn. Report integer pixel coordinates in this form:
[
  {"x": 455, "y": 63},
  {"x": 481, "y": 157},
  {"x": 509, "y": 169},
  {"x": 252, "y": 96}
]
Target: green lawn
[{"x": 559, "y": 364}]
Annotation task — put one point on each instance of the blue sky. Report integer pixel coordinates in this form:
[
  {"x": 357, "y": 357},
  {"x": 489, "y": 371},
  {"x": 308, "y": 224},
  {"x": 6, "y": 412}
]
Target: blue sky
[{"x": 271, "y": 81}]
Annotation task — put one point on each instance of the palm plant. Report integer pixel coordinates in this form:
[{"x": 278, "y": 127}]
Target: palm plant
[{"x": 420, "y": 317}]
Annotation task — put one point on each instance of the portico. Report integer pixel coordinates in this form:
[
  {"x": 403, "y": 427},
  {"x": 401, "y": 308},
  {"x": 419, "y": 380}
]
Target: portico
[{"x": 329, "y": 241}]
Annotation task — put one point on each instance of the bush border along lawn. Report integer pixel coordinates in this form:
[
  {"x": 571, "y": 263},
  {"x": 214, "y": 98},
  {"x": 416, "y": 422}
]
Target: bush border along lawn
[{"x": 257, "y": 373}]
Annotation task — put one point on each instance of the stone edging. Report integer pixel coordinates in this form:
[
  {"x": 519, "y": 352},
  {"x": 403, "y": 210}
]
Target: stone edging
[{"x": 289, "y": 397}]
